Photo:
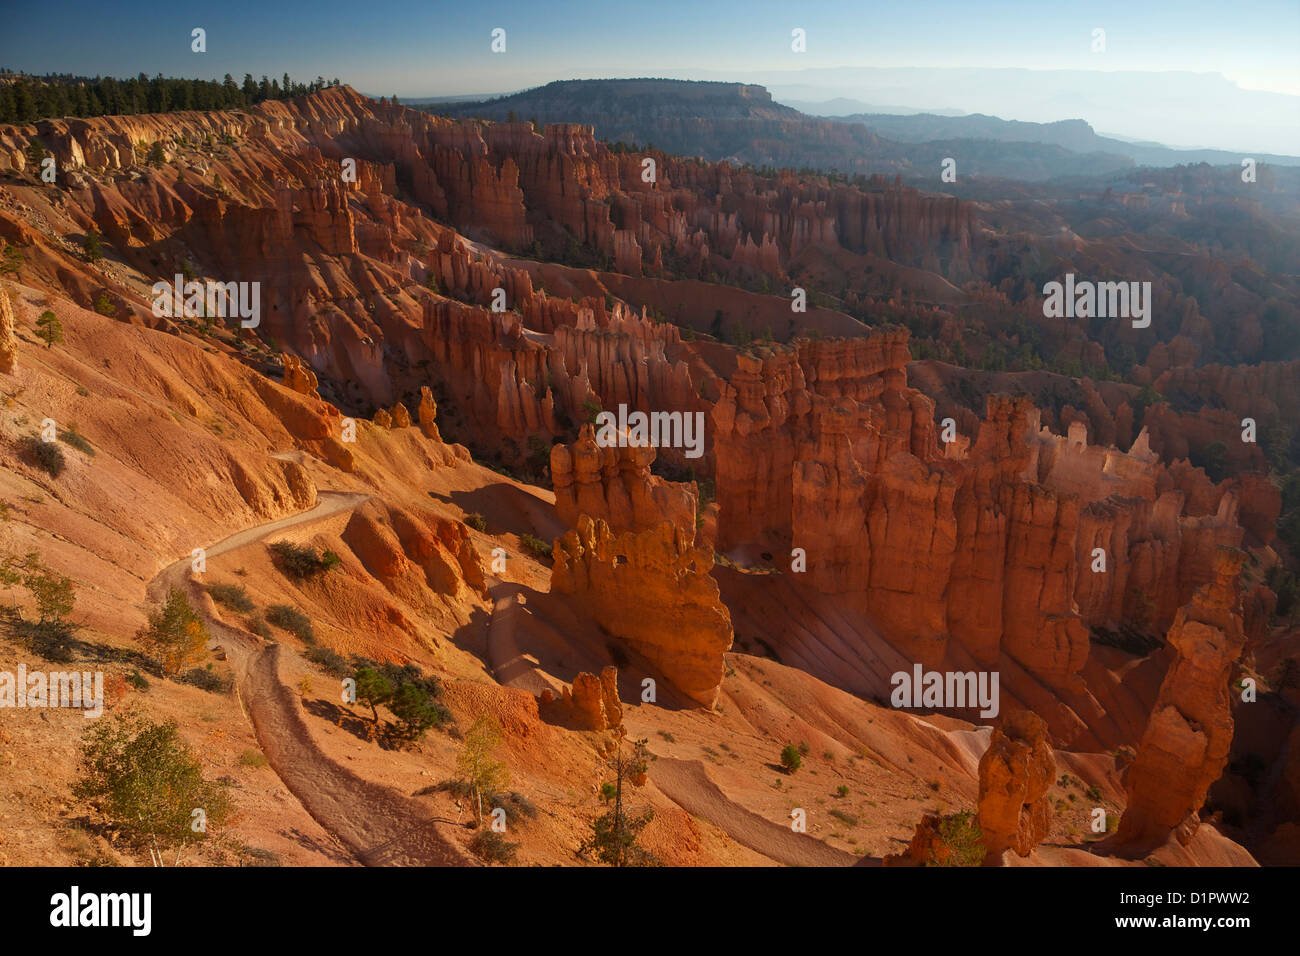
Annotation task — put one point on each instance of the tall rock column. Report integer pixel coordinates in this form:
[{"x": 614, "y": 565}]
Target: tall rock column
[
  {"x": 652, "y": 589},
  {"x": 1015, "y": 774},
  {"x": 428, "y": 414},
  {"x": 1186, "y": 744}
]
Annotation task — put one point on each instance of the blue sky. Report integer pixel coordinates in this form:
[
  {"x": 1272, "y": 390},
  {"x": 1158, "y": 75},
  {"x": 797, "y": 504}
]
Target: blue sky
[
  {"x": 438, "y": 48},
  {"x": 431, "y": 49}
]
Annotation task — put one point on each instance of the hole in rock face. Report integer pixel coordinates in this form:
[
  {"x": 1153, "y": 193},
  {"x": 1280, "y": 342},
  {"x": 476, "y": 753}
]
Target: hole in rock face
[
  {"x": 620, "y": 559},
  {"x": 766, "y": 556}
]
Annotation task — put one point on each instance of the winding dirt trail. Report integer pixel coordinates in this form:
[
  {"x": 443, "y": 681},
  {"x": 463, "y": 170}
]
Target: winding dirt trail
[
  {"x": 380, "y": 826},
  {"x": 504, "y": 656},
  {"x": 688, "y": 785}
]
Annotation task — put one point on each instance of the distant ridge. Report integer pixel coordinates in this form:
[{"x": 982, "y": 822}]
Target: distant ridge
[
  {"x": 1072, "y": 134},
  {"x": 740, "y": 122}
]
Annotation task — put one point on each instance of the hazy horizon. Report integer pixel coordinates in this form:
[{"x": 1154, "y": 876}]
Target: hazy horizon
[{"x": 1193, "y": 75}]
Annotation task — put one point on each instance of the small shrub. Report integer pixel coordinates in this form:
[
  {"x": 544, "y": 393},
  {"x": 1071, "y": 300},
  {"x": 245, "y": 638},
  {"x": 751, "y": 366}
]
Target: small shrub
[
  {"x": 842, "y": 791},
  {"x": 292, "y": 620},
  {"x": 329, "y": 661},
  {"x": 537, "y": 546},
  {"x": 844, "y": 817},
  {"x": 137, "y": 680},
  {"x": 303, "y": 561},
  {"x": 477, "y": 522},
  {"x": 492, "y": 847},
  {"x": 412, "y": 697},
  {"x": 104, "y": 305},
  {"x": 460, "y": 789},
  {"x": 77, "y": 440},
  {"x": 148, "y": 782},
  {"x": 45, "y": 455},
  {"x": 791, "y": 760},
  {"x": 257, "y": 624},
  {"x": 516, "y": 805},
  {"x": 961, "y": 841},
  {"x": 256, "y": 856},
  {"x": 50, "y": 639},
  {"x": 232, "y": 596},
  {"x": 1093, "y": 793},
  {"x": 252, "y": 758},
  {"x": 176, "y": 634},
  {"x": 206, "y": 679}
]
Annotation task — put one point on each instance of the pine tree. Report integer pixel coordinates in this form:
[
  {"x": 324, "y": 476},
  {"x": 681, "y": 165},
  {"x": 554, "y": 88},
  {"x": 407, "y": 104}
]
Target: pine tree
[
  {"x": 24, "y": 102},
  {"x": 35, "y": 153},
  {"x": 8, "y": 110},
  {"x": 614, "y": 833},
  {"x": 11, "y": 260},
  {"x": 415, "y": 711},
  {"x": 49, "y": 329},
  {"x": 91, "y": 245},
  {"x": 373, "y": 688}
]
